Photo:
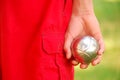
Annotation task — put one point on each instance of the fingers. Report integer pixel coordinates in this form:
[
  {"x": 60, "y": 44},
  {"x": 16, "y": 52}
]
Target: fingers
[
  {"x": 67, "y": 45},
  {"x": 97, "y": 60},
  {"x": 102, "y": 47},
  {"x": 94, "y": 62},
  {"x": 74, "y": 62},
  {"x": 99, "y": 38},
  {"x": 83, "y": 66}
]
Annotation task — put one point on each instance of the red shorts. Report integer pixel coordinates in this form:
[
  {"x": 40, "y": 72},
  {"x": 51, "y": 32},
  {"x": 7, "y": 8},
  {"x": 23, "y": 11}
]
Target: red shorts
[{"x": 32, "y": 39}]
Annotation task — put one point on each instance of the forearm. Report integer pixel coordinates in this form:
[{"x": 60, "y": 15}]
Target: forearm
[{"x": 82, "y": 7}]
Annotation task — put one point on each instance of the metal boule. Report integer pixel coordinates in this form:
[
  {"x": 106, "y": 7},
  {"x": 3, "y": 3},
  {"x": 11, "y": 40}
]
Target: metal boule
[{"x": 85, "y": 49}]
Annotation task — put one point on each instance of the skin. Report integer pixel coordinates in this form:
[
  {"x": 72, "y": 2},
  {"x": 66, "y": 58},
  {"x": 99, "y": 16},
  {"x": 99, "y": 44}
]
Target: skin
[{"x": 83, "y": 22}]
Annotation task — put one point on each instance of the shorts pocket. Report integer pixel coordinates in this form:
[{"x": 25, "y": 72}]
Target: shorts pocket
[{"x": 53, "y": 42}]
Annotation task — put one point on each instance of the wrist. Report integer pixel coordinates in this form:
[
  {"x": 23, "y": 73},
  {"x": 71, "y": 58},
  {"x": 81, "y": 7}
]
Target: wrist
[{"x": 82, "y": 7}]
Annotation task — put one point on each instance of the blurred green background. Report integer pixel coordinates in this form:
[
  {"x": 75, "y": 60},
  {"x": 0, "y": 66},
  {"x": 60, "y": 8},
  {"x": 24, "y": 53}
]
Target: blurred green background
[{"x": 108, "y": 14}]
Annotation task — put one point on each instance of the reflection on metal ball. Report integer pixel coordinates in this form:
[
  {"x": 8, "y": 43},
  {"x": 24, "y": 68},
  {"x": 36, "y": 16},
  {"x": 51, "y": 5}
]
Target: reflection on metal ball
[{"x": 85, "y": 49}]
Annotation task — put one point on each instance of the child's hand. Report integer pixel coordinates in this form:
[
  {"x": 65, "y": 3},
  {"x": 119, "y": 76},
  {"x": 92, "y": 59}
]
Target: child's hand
[{"x": 82, "y": 25}]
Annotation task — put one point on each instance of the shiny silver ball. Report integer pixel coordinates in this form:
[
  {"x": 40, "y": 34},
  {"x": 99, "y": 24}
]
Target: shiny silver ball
[{"x": 85, "y": 49}]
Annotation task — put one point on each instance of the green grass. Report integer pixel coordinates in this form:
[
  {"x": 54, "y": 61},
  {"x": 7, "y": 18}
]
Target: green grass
[
  {"x": 108, "y": 14},
  {"x": 98, "y": 73}
]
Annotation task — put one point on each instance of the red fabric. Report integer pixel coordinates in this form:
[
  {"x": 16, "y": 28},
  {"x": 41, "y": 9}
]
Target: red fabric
[{"x": 32, "y": 39}]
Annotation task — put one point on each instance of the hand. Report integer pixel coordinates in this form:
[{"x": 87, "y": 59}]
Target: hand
[{"x": 82, "y": 25}]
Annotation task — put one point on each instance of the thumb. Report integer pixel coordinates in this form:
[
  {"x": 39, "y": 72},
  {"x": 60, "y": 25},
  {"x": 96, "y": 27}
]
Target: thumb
[{"x": 67, "y": 45}]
